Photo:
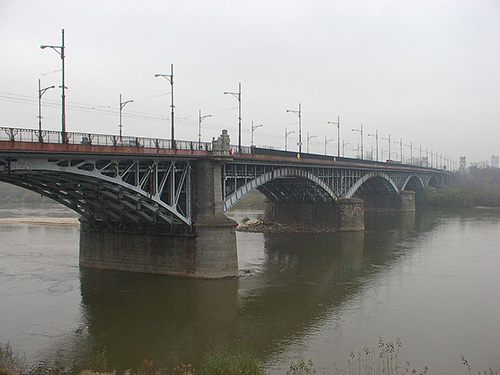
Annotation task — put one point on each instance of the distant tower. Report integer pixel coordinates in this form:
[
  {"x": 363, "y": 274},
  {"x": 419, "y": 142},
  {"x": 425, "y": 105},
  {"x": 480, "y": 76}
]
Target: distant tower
[
  {"x": 463, "y": 163},
  {"x": 494, "y": 161}
]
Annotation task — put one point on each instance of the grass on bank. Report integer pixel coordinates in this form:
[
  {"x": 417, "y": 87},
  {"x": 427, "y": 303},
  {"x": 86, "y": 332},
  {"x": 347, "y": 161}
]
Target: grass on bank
[{"x": 237, "y": 360}]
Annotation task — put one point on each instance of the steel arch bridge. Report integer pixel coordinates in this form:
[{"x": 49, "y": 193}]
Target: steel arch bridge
[{"x": 316, "y": 183}]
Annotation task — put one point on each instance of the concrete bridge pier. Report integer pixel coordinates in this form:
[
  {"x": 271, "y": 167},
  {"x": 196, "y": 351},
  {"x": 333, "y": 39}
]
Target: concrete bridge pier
[
  {"x": 341, "y": 215},
  {"x": 407, "y": 200}
]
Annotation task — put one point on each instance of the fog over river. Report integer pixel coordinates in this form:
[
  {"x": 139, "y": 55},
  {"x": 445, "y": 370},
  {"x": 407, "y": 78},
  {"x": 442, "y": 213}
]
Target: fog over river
[{"x": 430, "y": 279}]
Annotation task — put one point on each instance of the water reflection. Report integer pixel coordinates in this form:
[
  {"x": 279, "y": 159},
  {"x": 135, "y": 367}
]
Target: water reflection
[{"x": 301, "y": 279}]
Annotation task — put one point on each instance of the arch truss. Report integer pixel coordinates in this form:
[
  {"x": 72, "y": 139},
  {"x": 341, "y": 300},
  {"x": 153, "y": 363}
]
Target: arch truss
[
  {"x": 313, "y": 183},
  {"x": 109, "y": 190}
]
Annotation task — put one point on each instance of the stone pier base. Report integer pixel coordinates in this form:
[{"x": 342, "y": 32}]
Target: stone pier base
[
  {"x": 209, "y": 253},
  {"x": 342, "y": 215},
  {"x": 407, "y": 200}
]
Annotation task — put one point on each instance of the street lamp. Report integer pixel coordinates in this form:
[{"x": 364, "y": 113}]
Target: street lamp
[
  {"x": 253, "y": 129},
  {"x": 326, "y": 142},
  {"x": 200, "y": 119},
  {"x": 343, "y": 147},
  {"x": 308, "y": 139},
  {"x": 400, "y": 148},
  {"x": 60, "y": 52},
  {"x": 411, "y": 152},
  {"x": 338, "y": 133},
  {"x": 376, "y": 142},
  {"x": 361, "y": 134},
  {"x": 40, "y": 94},
  {"x": 388, "y": 139},
  {"x": 287, "y": 133},
  {"x": 122, "y": 105},
  {"x": 299, "y": 114},
  {"x": 237, "y": 95},
  {"x": 170, "y": 79}
]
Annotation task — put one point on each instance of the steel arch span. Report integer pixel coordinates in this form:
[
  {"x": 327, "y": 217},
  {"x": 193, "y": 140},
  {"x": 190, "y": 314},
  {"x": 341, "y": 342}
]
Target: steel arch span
[
  {"x": 237, "y": 191},
  {"x": 138, "y": 191}
]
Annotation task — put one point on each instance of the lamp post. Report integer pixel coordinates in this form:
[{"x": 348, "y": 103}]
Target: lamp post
[
  {"x": 326, "y": 142},
  {"x": 343, "y": 147},
  {"x": 60, "y": 52},
  {"x": 338, "y": 133},
  {"x": 200, "y": 119},
  {"x": 361, "y": 134},
  {"x": 400, "y": 148},
  {"x": 411, "y": 152},
  {"x": 299, "y": 114},
  {"x": 122, "y": 105},
  {"x": 170, "y": 79},
  {"x": 376, "y": 143},
  {"x": 40, "y": 94},
  {"x": 388, "y": 139},
  {"x": 253, "y": 129},
  {"x": 308, "y": 139},
  {"x": 287, "y": 133},
  {"x": 237, "y": 95}
]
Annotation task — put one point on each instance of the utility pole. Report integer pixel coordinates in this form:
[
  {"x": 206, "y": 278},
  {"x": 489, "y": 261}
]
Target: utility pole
[
  {"x": 200, "y": 119},
  {"x": 338, "y": 133},
  {"x": 253, "y": 129},
  {"x": 389, "y": 142},
  {"x": 122, "y": 105},
  {"x": 60, "y": 52},
  {"x": 309, "y": 138},
  {"x": 40, "y": 94},
  {"x": 299, "y": 114},
  {"x": 361, "y": 134},
  {"x": 170, "y": 79},
  {"x": 326, "y": 142},
  {"x": 237, "y": 95},
  {"x": 287, "y": 133},
  {"x": 343, "y": 147},
  {"x": 376, "y": 143}
]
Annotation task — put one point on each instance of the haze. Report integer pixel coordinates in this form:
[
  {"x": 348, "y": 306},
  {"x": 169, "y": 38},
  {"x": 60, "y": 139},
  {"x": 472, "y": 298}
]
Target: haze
[{"x": 424, "y": 71}]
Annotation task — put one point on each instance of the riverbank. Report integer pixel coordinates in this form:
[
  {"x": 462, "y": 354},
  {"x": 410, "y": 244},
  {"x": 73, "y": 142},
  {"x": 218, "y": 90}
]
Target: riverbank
[{"x": 50, "y": 221}]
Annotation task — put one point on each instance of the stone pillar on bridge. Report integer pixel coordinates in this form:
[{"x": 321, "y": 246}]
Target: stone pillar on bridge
[
  {"x": 351, "y": 215},
  {"x": 407, "y": 200}
]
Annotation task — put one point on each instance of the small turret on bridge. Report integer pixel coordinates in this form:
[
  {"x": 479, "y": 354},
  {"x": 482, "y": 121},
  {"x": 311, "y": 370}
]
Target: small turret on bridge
[{"x": 148, "y": 207}]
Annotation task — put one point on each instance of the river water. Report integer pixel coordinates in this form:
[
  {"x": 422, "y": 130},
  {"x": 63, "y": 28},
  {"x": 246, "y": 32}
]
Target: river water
[{"x": 431, "y": 279}]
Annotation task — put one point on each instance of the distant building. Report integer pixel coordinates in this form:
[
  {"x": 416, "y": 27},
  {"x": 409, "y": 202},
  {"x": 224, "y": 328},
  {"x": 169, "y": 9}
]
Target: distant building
[
  {"x": 494, "y": 161},
  {"x": 463, "y": 163}
]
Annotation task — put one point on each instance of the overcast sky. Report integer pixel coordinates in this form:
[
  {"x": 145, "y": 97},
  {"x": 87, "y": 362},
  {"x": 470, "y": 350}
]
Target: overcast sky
[{"x": 426, "y": 71}]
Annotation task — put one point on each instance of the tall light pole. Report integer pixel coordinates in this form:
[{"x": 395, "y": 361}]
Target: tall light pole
[
  {"x": 200, "y": 119},
  {"x": 237, "y": 95},
  {"x": 287, "y": 133},
  {"x": 343, "y": 147},
  {"x": 40, "y": 94},
  {"x": 299, "y": 114},
  {"x": 308, "y": 139},
  {"x": 400, "y": 148},
  {"x": 170, "y": 79},
  {"x": 411, "y": 152},
  {"x": 60, "y": 52},
  {"x": 338, "y": 133},
  {"x": 253, "y": 129},
  {"x": 388, "y": 139},
  {"x": 326, "y": 142},
  {"x": 122, "y": 105},
  {"x": 376, "y": 143},
  {"x": 361, "y": 134}
]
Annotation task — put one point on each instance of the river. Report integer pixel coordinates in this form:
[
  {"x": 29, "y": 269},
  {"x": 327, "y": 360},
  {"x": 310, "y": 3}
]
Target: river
[{"x": 431, "y": 280}]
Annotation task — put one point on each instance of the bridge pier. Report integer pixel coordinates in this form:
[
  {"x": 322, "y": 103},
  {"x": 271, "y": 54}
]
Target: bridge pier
[
  {"x": 341, "y": 215},
  {"x": 407, "y": 200}
]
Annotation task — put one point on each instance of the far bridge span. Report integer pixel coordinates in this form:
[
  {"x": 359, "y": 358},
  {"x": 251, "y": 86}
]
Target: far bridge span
[{"x": 146, "y": 206}]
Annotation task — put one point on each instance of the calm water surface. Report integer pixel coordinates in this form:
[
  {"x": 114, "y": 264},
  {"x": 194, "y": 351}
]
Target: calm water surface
[{"x": 430, "y": 279}]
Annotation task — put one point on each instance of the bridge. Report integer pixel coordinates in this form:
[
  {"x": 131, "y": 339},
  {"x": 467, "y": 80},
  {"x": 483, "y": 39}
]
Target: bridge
[{"x": 147, "y": 205}]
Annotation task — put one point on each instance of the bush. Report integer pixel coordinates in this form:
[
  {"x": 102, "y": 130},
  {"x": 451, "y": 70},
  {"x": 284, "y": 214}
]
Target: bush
[{"x": 235, "y": 361}]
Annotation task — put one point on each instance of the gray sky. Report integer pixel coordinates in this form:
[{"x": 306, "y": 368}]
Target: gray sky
[{"x": 424, "y": 71}]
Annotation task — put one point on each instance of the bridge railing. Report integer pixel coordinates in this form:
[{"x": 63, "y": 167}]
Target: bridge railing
[{"x": 52, "y": 136}]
